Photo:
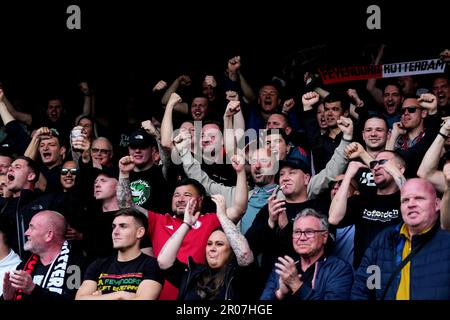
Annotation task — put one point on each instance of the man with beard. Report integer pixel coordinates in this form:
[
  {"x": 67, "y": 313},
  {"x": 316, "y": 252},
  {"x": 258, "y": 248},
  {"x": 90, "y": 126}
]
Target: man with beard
[
  {"x": 49, "y": 273},
  {"x": 373, "y": 211},
  {"x": 162, "y": 226},
  {"x": 412, "y": 137}
]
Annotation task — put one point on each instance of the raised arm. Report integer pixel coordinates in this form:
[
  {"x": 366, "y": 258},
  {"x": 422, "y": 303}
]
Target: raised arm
[
  {"x": 240, "y": 202},
  {"x": 445, "y": 202},
  {"x": 126, "y": 165},
  {"x": 170, "y": 250},
  {"x": 338, "y": 207},
  {"x": 429, "y": 167},
  {"x": 21, "y": 116},
  {"x": 234, "y": 73},
  {"x": 193, "y": 169},
  {"x": 181, "y": 107},
  {"x": 4, "y": 112},
  {"x": 233, "y": 123},
  {"x": 375, "y": 92},
  {"x": 167, "y": 122},
  {"x": 238, "y": 242},
  {"x": 337, "y": 163},
  {"x": 40, "y": 134}
]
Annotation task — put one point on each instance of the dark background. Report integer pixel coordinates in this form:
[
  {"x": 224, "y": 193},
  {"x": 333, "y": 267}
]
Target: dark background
[{"x": 125, "y": 47}]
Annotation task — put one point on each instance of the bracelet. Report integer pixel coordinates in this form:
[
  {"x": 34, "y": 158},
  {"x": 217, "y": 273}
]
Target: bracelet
[
  {"x": 443, "y": 135},
  {"x": 189, "y": 226},
  {"x": 347, "y": 139}
]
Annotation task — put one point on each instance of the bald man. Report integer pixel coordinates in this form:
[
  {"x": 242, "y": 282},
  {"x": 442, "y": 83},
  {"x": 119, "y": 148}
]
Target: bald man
[
  {"x": 409, "y": 261},
  {"x": 51, "y": 272}
]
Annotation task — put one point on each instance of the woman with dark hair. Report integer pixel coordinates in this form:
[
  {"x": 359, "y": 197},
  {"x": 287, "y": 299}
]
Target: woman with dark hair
[{"x": 229, "y": 272}]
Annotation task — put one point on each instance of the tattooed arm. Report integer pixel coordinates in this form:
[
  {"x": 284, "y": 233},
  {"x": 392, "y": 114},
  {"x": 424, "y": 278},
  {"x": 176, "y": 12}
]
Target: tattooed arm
[
  {"x": 169, "y": 252},
  {"x": 126, "y": 165},
  {"x": 238, "y": 242}
]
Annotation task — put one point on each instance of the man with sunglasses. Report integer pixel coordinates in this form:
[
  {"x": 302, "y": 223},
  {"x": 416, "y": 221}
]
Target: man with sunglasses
[
  {"x": 370, "y": 212},
  {"x": 414, "y": 134}
]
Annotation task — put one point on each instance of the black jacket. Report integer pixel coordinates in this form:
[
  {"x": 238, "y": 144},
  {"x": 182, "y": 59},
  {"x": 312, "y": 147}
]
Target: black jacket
[{"x": 240, "y": 282}]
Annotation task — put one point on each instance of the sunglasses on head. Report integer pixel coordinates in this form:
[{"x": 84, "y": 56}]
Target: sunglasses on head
[
  {"x": 65, "y": 171},
  {"x": 373, "y": 163},
  {"x": 409, "y": 109}
]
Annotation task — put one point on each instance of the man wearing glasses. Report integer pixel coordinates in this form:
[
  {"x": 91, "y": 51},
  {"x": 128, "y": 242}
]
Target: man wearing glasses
[
  {"x": 102, "y": 152},
  {"x": 314, "y": 276},
  {"x": 370, "y": 212},
  {"x": 414, "y": 134}
]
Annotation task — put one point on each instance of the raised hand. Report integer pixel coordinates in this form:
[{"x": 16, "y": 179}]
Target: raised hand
[
  {"x": 174, "y": 99},
  {"x": 184, "y": 80},
  {"x": 233, "y": 107},
  {"x": 346, "y": 126},
  {"x": 84, "y": 87},
  {"x": 148, "y": 126},
  {"x": 354, "y": 150},
  {"x": 238, "y": 163},
  {"x": 160, "y": 86},
  {"x": 309, "y": 99},
  {"x": 190, "y": 212},
  {"x": 182, "y": 142},
  {"x": 231, "y": 95},
  {"x": 288, "y": 105},
  {"x": 353, "y": 168},
  {"x": 352, "y": 93},
  {"x": 234, "y": 64},
  {"x": 219, "y": 200},
  {"x": 428, "y": 101},
  {"x": 210, "y": 81},
  {"x": 126, "y": 164}
]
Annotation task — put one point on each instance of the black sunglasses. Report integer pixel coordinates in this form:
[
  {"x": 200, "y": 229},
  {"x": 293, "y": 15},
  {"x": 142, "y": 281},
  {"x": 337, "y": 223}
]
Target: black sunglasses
[
  {"x": 409, "y": 109},
  {"x": 373, "y": 163},
  {"x": 65, "y": 171}
]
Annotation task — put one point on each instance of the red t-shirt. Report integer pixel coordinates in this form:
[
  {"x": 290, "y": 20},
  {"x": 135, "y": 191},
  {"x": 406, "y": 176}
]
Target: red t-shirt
[{"x": 162, "y": 227}]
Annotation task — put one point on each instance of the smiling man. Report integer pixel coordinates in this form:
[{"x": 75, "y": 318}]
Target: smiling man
[{"x": 313, "y": 275}]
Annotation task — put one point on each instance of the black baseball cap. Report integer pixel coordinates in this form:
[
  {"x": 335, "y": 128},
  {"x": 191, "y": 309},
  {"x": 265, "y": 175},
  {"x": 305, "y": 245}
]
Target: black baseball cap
[{"x": 141, "y": 139}]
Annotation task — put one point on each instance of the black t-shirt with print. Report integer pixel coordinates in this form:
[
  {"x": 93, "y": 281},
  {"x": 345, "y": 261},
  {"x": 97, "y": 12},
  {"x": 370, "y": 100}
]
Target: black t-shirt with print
[
  {"x": 370, "y": 213},
  {"x": 112, "y": 275},
  {"x": 150, "y": 190}
]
